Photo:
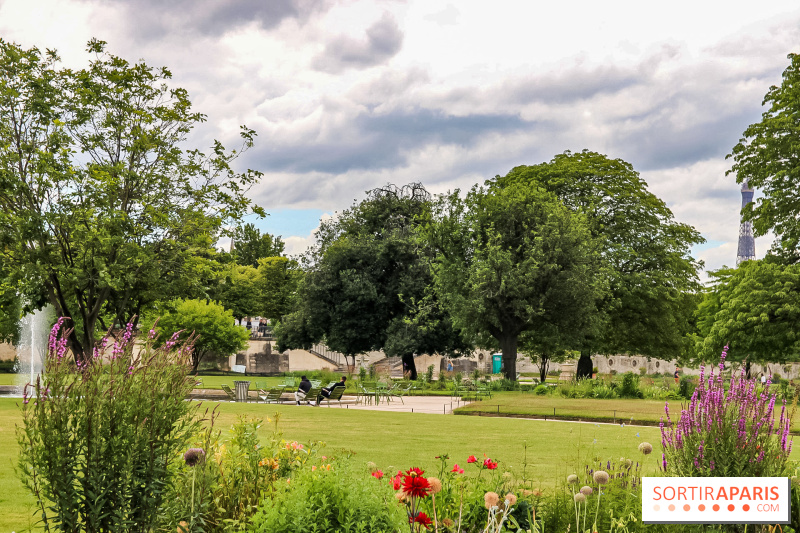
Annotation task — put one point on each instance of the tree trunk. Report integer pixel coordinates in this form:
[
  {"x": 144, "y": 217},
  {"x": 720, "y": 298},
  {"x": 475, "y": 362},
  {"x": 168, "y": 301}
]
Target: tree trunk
[
  {"x": 508, "y": 346},
  {"x": 747, "y": 368},
  {"x": 585, "y": 365},
  {"x": 409, "y": 366},
  {"x": 544, "y": 365}
]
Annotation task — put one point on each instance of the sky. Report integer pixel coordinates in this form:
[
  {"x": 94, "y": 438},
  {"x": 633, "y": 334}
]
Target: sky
[{"x": 350, "y": 95}]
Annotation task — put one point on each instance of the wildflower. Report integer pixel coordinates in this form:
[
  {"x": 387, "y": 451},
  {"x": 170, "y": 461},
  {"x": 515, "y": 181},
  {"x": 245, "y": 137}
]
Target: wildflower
[
  {"x": 377, "y": 474},
  {"x": 471, "y": 459},
  {"x": 457, "y": 469},
  {"x": 488, "y": 463},
  {"x": 572, "y": 479},
  {"x": 646, "y": 448},
  {"x": 194, "y": 456},
  {"x": 435, "y": 485},
  {"x": 601, "y": 477},
  {"x": 586, "y": 490},
  {"x": 397, "y": 481},
  {"x": 421, "y": 518},
  {"x": 579, "y": 498},
  {"x": 511, "y": 499},
  {"x": 491, "y": 499},
  {"x": 372, "y": 466},
  {"x": 448, "y": 523},
  {"x": 415, "y": 485}
]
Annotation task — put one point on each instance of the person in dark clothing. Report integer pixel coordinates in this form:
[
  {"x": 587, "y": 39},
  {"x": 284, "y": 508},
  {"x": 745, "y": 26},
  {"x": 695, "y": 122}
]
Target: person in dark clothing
[
  {"x": 326, "y": 392},
  {"x": 302, "y": 391}
]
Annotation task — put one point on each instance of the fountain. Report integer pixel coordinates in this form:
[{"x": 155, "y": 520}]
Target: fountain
[{"x": 32, "y": 347}]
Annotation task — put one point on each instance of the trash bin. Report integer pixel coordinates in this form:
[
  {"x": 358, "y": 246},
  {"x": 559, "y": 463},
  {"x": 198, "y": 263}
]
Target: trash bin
[
  {"x": 497, "y": 363},
  {"x": 241, "y": 390}
]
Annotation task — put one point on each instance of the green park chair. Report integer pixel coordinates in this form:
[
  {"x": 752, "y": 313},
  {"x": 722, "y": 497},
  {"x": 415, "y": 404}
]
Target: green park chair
[
  {"x": 273, "y": 395},
  {"x": 336, "y": 396},
  {"x": 227, "y": 390}
]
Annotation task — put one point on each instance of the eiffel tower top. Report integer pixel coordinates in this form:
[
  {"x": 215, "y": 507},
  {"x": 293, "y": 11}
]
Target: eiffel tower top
[{"x": 747, "y": 244}]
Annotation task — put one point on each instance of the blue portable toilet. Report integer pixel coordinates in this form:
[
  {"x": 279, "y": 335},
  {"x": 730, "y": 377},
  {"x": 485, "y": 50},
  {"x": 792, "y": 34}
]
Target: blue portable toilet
[{"x": 497, "y": 363}]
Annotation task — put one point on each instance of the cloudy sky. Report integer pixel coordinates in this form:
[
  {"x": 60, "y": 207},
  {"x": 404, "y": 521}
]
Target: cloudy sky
[{"x": 349, "y": 95}]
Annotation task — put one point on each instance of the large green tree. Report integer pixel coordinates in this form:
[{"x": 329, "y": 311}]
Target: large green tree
[
  {"x": 768, "y": 158},
  {"x": 101, "y": 206},
  {"x": 250, "y": 245},
  {"x": 652, "y": 277},
  {"x": 368, "y": 284},
  {"x": 755, "y": 310},
  {"x": 210, "y": 325},
  {"x": 513, "y": 260}
]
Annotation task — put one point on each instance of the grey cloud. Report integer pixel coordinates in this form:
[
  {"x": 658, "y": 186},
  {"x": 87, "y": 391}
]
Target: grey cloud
[
  {"x": 573, "y": 84},
  {"x": 383, "y": 40},
  {"x": 152, "y": 19},
  {"x": 382, "y": 141}
]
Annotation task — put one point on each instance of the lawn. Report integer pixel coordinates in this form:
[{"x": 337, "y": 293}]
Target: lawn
[
  {"x": 589, "y": 409},
  {"x": 392, "y": 440}
]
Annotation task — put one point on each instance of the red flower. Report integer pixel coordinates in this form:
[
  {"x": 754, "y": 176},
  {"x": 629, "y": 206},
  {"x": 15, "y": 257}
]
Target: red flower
[
  {"x": 488, "y": 463},
  {"x": 421, "y": 518},
  {"x": 415, "y": 486},
  {"x": 458, "y": 470},
  {"x": 397, "y": 481},
  {"x": 377, "y": 474},
  {"x": 471, "y": 459},
  {"x": 414, "y": 471}
]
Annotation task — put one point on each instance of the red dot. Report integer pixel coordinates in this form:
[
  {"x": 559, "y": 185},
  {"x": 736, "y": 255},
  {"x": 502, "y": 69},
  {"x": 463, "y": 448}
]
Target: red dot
[
  {"x": 731, "y": 507},
  {"x": 716, "y": 507},
  {"x": 701, "y": 507},
  {"x": 671, "y": 507},
  {"x": 686, "y": 507},
  {"x": 746, "y": 507}
]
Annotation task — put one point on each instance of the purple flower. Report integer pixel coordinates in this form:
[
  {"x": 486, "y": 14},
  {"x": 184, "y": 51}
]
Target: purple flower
[{"x": 194, "y": 456}]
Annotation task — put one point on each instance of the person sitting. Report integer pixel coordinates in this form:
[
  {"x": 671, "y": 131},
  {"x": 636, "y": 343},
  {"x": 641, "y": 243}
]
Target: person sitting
[
  {"x": 326, "y": 392},
  {"x": 302, "y": 391}
]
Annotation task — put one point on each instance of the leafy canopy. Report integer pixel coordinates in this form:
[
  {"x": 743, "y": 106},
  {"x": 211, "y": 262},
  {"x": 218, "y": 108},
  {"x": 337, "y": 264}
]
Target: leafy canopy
[{"x": 101, "y": 207}]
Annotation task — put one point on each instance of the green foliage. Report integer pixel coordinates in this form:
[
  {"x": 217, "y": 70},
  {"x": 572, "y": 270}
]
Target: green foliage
[
  {"x": 278, "y": 281},
  {"x": 212, "y": 325},
  {"x": 514, "y": 260},
  {"x": 652, "y": 278},
  {"x": 368, "y": 284},
  {"x": 249, "y": 245},
  {"x": 630, "y": 386},
  {"x": 330, "y": 501},
  {"x": 686, "y": 387},
  {"x": 767, "y": 158},
  {"x": 238, "y": 290},
  {"x": 755, "y": 310},
  {"x": 103, "y": 211},
  {"x": 97, "y": 442},
  {"x": 541, "y": 390},
  {"x": 429, "y": 374}
]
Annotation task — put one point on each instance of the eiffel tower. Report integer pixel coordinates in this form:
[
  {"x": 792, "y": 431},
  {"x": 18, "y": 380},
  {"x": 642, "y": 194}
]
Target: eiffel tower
[{"x": 747, "y": 244}]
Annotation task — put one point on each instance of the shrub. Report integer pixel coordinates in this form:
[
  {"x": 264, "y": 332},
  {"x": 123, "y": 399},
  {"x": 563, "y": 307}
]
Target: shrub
[
  {"x": 686, "y": 387},
  {"x": 335, "y": 500},
  {"x": 97, "y": 440},
  {"x": 727, "y": 432},
  {"x": 429, "y": 374},
  {"x": 630, "y": 386},
  {"x": 541, "y": 390}
]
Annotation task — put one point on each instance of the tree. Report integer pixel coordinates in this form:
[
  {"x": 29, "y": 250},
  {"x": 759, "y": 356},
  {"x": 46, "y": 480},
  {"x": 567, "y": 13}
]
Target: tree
[
  {"x": 239, "y": 290},
  {"x": 768, "y": 158},
  {"x": 755, "y": 310},
  {"x": 652, "y": 277},
  {"x": 213, "y": 325},
  {"x": 278, "y": 278},
  {"x": 249, "y": 245},
  {"x": 367, "y": 281},
  {"x": 99, "y": 202},
  {"x": 513, "y": 260}
]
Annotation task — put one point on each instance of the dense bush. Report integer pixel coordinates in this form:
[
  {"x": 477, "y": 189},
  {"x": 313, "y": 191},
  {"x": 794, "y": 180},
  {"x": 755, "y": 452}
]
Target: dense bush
[
  {"x": 339, "y": 499},
  {"x": 98, "y": 440},
  {"x": 630, "y": 386}
]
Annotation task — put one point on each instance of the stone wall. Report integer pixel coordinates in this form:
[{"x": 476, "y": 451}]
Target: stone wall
[{"x": 7, "y": 352}]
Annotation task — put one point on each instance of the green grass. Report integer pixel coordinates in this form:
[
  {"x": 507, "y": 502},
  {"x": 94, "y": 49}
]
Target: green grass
[
  {"x": 589, "y": 409},
  {"x": 402, "y": 440},
  {"x": 392, "y": 440},
  {"x": 8, "y": 379}
]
